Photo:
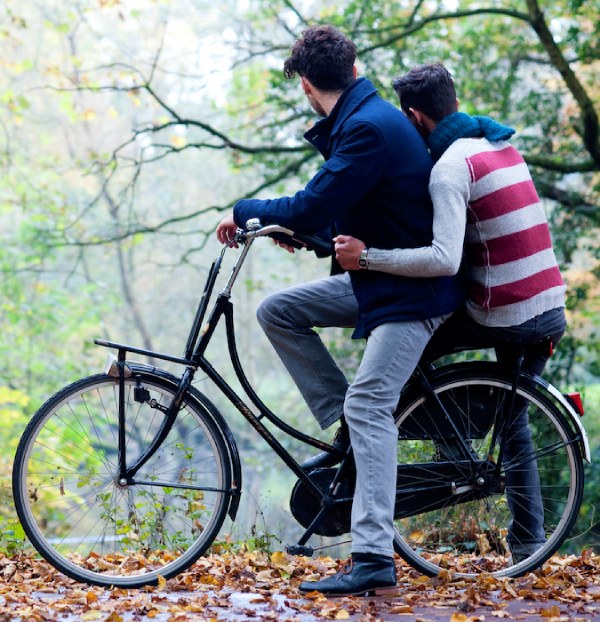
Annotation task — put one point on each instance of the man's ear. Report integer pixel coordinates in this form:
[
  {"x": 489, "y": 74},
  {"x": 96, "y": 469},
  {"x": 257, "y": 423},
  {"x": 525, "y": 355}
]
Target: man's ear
[
  {"x": 306, "y": 85},
  {"x": 417, "y": 117}
]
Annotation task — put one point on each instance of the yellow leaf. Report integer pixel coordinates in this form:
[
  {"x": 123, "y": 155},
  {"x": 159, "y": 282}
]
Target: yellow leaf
[
  {"x": 135, "y": 99},
  {"x": 279, "y": 559},
  {"x": 11, "y": 396},
  {"x": 484, "y": 544},
  {"x": 179, "y": 142},
  {"x": 342, "y": 614},
  {"x": 208, "y": 580},
  {"x": 458, "y": 617},
  {"x": 92, "y": 614},
  {"x": 90, "y": 597},
  {"x": 162, "y": 582}
]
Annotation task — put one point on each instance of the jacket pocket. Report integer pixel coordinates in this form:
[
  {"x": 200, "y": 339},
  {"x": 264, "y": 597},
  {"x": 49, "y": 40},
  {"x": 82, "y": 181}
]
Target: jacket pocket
[{"x": 328, "y": 173}]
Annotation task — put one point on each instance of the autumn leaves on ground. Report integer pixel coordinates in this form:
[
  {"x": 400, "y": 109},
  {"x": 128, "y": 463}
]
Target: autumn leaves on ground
[{"x": 252, "y": 586}]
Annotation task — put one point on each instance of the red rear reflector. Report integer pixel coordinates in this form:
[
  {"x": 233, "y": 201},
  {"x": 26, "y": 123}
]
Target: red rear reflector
[{"x": 575, "y": 401}]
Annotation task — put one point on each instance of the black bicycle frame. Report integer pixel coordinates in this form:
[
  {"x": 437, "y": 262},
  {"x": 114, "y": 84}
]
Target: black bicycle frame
[{"x": 193, "y": 359}]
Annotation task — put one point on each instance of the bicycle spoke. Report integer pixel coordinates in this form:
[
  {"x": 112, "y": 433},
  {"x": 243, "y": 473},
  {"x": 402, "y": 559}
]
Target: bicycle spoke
[
  {"x": 523, "y": 500},
  {"x": 85, "y": 519}
]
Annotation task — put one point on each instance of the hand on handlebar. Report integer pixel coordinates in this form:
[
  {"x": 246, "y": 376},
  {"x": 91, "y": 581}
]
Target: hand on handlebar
[
  {"x": 347, "y": 251},
  {"x": 226, "y": 231},
  {"x": 287, "y": 239},
  {"x": 288, "y": 247}
]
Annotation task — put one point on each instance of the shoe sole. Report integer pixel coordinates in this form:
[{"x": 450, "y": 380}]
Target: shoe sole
[{"x": 388, "y": 590}]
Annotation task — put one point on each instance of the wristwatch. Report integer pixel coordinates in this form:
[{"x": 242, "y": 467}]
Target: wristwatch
[{"x": 363, "y": 259}]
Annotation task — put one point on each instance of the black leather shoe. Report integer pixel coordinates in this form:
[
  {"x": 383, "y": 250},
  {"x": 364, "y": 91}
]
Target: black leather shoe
[
  {"x": 362, "y": 575},
  {"x": 341, "y": 442}
]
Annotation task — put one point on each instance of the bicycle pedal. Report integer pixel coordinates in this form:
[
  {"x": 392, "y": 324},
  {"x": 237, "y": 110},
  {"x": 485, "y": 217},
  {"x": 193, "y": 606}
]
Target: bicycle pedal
[{"x": 299, "y": 549}]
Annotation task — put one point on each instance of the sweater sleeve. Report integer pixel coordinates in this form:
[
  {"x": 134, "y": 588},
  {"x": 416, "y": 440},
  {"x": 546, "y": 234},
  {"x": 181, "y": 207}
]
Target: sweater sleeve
[{"x": 449, "y": 190}]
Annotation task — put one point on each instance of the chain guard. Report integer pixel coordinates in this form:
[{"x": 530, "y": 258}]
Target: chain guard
[
  {"x": 305, "y": 506},
  {"x": 421, "y": 487}
]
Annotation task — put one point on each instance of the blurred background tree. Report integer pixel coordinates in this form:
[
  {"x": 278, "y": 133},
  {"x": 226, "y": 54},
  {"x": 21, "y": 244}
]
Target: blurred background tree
[{"x": 128, "y": 127}]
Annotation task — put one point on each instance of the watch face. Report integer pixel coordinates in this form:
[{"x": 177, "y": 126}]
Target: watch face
[{"x": 362, "y": 260}]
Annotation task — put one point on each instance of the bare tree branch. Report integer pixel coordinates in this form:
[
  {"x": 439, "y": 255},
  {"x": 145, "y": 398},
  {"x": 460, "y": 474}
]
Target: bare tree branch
[
  {"x": 589, "y": 117},
  {"x": 589, "y": 130},
  {"x": 419, "y": 24}
]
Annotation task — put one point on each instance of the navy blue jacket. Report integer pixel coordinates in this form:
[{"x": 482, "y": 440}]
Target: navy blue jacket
[{"x": 373, "y": 185}]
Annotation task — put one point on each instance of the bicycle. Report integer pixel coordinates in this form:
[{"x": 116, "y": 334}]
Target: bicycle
[{"x": 127, "y": 476}]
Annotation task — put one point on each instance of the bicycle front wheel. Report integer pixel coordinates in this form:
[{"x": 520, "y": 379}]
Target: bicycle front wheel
[
  {"x": 89, "y": 523},
  {"x": 480, "y": 511}
]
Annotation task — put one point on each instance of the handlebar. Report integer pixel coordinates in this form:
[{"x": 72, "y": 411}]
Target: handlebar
[{"x": 254, "y": 229}]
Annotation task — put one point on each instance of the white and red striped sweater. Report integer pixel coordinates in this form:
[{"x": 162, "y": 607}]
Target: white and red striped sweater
[{"x": 512, "y": 270}]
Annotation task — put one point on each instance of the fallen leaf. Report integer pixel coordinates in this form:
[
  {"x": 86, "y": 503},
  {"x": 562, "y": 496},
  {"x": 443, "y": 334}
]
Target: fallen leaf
[
  {"x": 92, "y": 614},
  {"x": 550, "y": 612}
]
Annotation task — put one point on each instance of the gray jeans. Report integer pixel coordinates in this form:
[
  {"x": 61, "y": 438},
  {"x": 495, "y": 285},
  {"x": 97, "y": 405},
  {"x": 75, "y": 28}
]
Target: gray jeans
[{"x": 392, "y": 352}]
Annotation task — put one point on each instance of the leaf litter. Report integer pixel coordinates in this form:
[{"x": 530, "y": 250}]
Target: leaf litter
[{"x": 259, "y": 586}]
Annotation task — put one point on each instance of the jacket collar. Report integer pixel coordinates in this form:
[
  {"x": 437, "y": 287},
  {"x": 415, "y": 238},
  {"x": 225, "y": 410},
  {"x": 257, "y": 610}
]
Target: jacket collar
[{"x": 321, "y": 135}]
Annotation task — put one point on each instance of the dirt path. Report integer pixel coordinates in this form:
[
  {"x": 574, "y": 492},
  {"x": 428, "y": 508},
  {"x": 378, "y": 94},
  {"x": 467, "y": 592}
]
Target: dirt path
[
  {"x": 165, "y": 606},
  {"x": 256, "y": 586}
]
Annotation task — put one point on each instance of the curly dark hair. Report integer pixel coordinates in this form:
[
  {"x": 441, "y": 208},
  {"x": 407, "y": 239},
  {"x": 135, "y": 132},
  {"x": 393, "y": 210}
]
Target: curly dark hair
[
  {"x": 429, "y": 89},
  {"x": 324, "y": 56}
]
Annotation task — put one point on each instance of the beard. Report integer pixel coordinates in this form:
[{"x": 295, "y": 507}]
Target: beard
[{"x": 316, "y": 106}]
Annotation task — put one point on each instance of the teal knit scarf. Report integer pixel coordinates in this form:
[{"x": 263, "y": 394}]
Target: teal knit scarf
[{"x": 461, "y": 125}]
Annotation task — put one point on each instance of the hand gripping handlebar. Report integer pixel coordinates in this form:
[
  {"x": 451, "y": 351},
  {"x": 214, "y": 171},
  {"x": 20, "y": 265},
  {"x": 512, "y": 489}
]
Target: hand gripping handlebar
[{"x": 322, "y": 247}]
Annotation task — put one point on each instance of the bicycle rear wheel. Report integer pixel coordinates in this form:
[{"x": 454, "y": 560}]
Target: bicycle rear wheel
[
  {"x": 470, "y": 516},
  {"x": 97, "y": 529}
]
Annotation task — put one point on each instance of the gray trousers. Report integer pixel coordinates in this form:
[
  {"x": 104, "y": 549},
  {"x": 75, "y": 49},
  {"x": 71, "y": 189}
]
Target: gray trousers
[{"x": 392, "y": 352}]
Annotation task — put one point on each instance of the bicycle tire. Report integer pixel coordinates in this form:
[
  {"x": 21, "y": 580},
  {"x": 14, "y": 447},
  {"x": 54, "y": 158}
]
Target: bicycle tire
[
  {"x": 468, "y": 536},
  {"x": 78, "y": 515}
]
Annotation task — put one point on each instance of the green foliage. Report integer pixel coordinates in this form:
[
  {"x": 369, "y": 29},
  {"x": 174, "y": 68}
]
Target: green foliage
[
  {"x": 12, "y": 536},
  {"x": 13, "y": 407},
  {"x": 502, "y": 68},
  {"x": 125, "y": 131},
  {"x": 587, "y": 529},
  {"x": 257, "y": 541}
]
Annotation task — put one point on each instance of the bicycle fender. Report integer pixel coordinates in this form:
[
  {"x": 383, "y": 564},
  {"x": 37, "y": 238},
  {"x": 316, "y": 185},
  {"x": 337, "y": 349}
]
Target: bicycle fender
[
  {"x": 571, "y": 414},
  {"x": 574, "y": 418},
  {"x": 219, "y": 420}
]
